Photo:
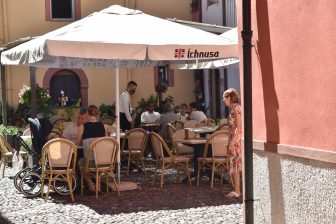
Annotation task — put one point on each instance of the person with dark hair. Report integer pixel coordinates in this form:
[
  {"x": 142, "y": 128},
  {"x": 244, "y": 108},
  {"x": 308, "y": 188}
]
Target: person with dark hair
[
  {"x": 196, "y": 114},
  {"x": 230, "y": 99},
  {"x": 150, "y": 116},
  {"x": 183, "y": 112},
  {"x": 125, "y": 106},
  {"x": 71, "y": 130},
  {"x": 87, "y": 133}
]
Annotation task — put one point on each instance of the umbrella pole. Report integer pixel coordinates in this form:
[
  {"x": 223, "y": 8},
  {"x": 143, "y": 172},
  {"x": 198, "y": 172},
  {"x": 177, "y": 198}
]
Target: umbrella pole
[{"x": 117, "y": 119}]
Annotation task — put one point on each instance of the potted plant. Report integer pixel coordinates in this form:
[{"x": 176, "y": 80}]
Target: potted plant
[{"x": 9, "y": 132}]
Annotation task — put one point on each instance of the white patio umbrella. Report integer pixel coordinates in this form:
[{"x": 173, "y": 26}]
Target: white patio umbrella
[{"x": 120, "y": 37}]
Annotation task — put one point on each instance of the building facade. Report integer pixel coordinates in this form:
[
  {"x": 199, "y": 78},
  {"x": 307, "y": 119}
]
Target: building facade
[
  {"x": 293, "y": 78},
  {"x": 216, "y": 81},
  {"x": 20, "y": 19}
]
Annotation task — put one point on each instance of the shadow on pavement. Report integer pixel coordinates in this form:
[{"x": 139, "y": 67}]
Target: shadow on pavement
[{"x": 172, "y": 196}]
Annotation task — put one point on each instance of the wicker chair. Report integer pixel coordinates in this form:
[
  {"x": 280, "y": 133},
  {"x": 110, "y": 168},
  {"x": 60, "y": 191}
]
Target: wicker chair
[
  {"x": 61, "y": 155},
  {"x": 104, "y": 151},
  {"x": 137, "y": 142},
  {"x": 208, "y": 122},
  {"x": 159, "y": 146},
  {"x": 181, "y": 149},
  {"x": 219, "y": 160},
  {"x": 191, "y": 124},
  {"x": 60, "y": 123},
  {"x": 107, "y": 120},
  {"x": 171, "y": 130},
  {"x": 55, "y": 133},
  {"x": 177, "y": 124},
  {"x": 223, "y": 121},
  {"x": 7, "y": 152},
  {"x": 26, "y": 132}
]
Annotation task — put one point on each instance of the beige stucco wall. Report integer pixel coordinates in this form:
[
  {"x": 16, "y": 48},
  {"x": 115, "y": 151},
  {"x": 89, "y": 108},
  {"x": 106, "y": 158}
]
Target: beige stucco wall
[
  {"x": 31, "y": 22},
  {"x": 278, "y": 200}
]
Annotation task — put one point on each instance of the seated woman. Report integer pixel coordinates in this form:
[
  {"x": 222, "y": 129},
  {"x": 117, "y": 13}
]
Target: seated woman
[{"x": 87, "y": 132}]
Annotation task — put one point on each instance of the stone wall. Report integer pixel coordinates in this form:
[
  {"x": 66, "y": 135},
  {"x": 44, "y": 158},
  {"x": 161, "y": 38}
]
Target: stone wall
[{"x": 293, "y": 190}]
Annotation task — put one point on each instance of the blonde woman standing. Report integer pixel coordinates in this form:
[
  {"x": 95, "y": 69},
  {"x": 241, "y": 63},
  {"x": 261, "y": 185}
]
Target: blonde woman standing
[{"x": 230, "y": 99}]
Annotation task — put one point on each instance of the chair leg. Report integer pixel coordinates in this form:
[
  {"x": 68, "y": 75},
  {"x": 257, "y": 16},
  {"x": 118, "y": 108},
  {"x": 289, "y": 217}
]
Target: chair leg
[
  {"x": 82, "y": 183},
  {"x": 42, "y": 185},
  {"x": 212, "y": 174},
  {"x": 128, "y": 164},
  {"x": 107, "y": 183},
  {"x": 156, "y": 167},
  {"x": 222, "y": 174},
  {"x": 143, "y": 164},
  {"x": 198, "y": 173},
  {"x": 115, "y": 182},
  {"x": 97, "y": 182},
  {"x": 176, "y": 168},
  {"x": 49, "y": 185},
  {"x": 4, "y": 166},
  {"x": 69, "y": 179},
  {"x": 162, "y": 173},
  {"x": 187, "y": 169}
]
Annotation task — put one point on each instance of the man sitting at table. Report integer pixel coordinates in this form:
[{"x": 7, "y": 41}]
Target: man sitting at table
[
  {"x": 150, "y": 116},
  {"x": 70, "y": 132},
  {"x": 165, "y": 119},
  {"x": 196, "y": 114}
]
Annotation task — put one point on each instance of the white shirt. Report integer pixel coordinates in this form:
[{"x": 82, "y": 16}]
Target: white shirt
[
  {"x": 147, "y": 117},
  {"x": 183, "y": 117},
  {"x": 70, "y": 132},
  {"x": 124, "y": 105},
  {"x": 197, "y": 115}
]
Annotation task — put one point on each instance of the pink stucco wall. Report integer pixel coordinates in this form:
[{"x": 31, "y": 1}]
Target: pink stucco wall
[{"x": 294, "y": 72}]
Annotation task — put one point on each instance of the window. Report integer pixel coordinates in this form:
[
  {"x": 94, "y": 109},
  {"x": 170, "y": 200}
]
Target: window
[
  {"x": 162, "y": 74},
  {"x": 62, "y": 10},
  {"x": 210, "y": 2}
]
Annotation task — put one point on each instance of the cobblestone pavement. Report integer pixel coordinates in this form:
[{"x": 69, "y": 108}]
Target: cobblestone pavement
[{"x": 174, "y": 203}]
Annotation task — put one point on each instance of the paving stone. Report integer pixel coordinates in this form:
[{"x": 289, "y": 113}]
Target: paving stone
[{"x": 174, "y": 203}]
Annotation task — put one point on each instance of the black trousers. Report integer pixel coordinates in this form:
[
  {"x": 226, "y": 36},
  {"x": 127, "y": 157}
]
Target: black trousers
[{"x": 124, "y": 123}]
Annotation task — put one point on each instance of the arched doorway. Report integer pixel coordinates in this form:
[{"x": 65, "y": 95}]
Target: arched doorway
[
  {"x": 73, "y": 82},
  {"x": 68, "y": 83}
]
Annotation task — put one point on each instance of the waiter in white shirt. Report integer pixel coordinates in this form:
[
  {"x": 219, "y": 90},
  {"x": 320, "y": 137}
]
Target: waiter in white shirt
[{"x": 124, "y": 106}]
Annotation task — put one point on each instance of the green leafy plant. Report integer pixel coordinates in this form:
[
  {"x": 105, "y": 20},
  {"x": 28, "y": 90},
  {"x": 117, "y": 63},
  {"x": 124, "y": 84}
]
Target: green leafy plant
[
  {"x": 10, "y": 113},
  {"x": 107, "y": 110},
  {"x": 142, "y": 103},
  {"x": 9, "y": 130},
  {"x": 43, "y": 102}
]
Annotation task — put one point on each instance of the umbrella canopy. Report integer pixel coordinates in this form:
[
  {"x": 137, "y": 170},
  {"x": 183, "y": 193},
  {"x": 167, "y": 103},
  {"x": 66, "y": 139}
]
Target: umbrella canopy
[{"x": 120, "y": 37}]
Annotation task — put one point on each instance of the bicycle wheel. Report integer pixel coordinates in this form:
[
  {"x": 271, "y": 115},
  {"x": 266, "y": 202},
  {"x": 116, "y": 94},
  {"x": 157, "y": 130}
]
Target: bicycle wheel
[
  {"x": 61, "y": 185},
  {"x": 31, "y": 184},
  {"x": 18, "y": 177}
]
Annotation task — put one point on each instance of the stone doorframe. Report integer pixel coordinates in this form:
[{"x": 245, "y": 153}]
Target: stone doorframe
[{"x": 84, "y": 83}]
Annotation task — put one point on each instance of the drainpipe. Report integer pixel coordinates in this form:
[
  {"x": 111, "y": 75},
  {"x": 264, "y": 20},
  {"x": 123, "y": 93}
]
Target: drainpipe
[
  {"x": 33, "y": 91},
  {"x": 3, "y": 93},
  {"x": 248, "y": 135},
  {"x": 6, "y": 40}
]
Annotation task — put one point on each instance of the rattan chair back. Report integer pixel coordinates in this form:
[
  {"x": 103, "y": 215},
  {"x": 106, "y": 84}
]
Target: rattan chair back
[{"x": 191, "y": 124}]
